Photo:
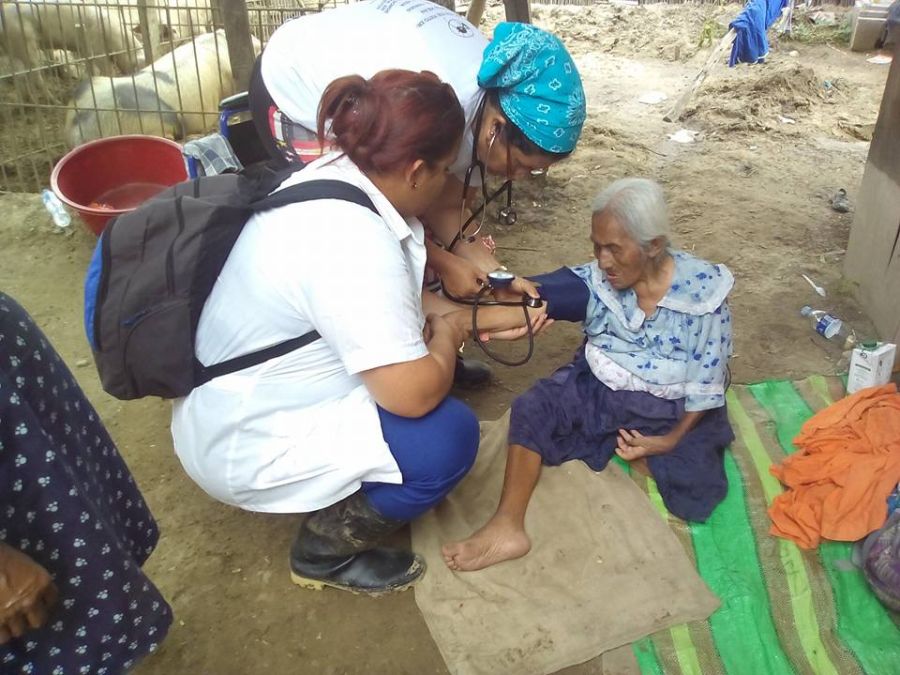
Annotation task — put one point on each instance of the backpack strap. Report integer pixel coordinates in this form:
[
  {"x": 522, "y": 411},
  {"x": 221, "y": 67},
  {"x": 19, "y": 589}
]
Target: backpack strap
[
  {"x": 315, "y": 189},
  {"x": 304, "y": 192},
  {"x": 204, "y": 374}
]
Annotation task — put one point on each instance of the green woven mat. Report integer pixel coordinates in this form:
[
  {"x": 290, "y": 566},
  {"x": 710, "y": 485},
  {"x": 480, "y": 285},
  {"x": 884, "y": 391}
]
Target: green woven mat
[{"x": 784, "y": 610}]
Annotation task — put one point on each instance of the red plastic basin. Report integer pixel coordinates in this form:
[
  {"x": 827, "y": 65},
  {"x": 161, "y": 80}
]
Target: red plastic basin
[{"x": 111, "y": 176}]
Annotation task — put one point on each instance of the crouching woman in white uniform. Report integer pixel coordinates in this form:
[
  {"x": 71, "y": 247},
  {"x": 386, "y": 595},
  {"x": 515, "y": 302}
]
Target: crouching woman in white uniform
[{"x": 355, "y": 427}]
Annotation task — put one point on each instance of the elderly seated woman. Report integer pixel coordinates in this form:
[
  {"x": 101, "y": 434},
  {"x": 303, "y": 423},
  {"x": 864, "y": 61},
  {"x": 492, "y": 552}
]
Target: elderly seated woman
[{"x": 648, "y": 383}]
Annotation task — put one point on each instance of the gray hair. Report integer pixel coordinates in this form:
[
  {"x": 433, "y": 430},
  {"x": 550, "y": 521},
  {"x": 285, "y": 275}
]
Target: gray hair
[{"x": 639, "y": 206}]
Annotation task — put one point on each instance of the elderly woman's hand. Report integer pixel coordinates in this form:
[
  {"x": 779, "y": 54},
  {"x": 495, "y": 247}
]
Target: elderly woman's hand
[
  {"x": 27, "y": 593},
  {"x": 517, "y": 333},
  {"x": 539, "y": 323},
  {"x": 516, "y": 290},
  {"x": 631, "y": 445}
]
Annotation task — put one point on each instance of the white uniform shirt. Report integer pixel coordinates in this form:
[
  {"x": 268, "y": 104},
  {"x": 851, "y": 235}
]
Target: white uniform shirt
[
  {"x": 301, "y": 431},
  {"x": 308, "y": 53}
]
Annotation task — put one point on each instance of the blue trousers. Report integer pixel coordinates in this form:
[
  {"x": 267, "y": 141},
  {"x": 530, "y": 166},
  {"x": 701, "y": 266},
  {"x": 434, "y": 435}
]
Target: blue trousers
[{"x": 433, "y": 452}]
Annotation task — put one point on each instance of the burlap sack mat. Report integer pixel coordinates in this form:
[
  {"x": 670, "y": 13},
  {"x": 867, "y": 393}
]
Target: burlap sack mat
[{"x": 604, "y": 570}]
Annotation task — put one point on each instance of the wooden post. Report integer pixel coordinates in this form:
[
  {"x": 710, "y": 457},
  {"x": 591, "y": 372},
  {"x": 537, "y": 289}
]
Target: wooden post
[
  {"x": 517, "y": 10},
  {"x": 148, "y": 17},
  {"x": 873, "y": 253},
  {"x": 237, "y": 32},
  {"x": 787, "y": 18},
  {"x": 678, "y": 109},
  {"x": 475, "y": 12}
]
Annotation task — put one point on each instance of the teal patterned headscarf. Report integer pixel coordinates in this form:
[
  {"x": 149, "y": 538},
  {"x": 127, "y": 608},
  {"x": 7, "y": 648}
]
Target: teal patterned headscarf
[{"x": 538, "y": 85}]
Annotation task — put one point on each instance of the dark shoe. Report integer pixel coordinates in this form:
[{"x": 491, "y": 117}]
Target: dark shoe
[
  {"x": 372, "y": 572},
  {"x": 471, "y": 373},
  {"x": 336, "y": 547}
]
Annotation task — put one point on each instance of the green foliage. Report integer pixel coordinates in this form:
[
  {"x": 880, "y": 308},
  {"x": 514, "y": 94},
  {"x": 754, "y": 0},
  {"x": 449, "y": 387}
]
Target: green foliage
[
  {"x": 813, "y": 34},
  {"x": 711, "y": 32}
]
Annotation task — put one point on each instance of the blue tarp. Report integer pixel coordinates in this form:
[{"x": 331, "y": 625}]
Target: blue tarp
[{"x": 751, "y": 44}]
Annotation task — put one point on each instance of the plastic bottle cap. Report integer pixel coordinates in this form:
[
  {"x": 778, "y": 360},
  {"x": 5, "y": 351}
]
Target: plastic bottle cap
[
  {"x": 830, "y": 326},
  {"x": 870, "y": 344},
  {"x": 806, "y": 310}
]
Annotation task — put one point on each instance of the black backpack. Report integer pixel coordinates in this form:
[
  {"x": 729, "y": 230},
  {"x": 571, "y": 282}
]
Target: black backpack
[{"x": 154, "y": 267}]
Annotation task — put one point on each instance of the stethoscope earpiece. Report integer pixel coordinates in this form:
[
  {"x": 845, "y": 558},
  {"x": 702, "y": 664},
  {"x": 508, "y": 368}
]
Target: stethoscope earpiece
[{"x": 506, "y": 214}]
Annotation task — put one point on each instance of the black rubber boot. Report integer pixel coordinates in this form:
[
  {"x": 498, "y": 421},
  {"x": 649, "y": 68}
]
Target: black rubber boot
[
  {"x": 336, "y": 547},
  {"x": 471, "y": 374}
]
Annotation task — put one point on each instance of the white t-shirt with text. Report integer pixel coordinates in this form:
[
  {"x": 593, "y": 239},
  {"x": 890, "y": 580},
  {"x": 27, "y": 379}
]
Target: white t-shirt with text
[{"x": 308, "y": 53}]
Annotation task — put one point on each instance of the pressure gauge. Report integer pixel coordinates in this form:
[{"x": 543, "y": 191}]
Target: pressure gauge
[{"x": 500, "y": 278}]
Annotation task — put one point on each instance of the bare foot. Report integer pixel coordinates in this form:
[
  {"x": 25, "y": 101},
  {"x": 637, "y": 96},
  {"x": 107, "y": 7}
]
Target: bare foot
[{"x": 500, "y": 539}]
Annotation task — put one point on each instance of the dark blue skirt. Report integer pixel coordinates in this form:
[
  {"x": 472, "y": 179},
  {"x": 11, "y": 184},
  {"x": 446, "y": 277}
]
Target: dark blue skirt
[
  {"x": 68, "y": 501},
  {"x": 572, "y": 415}
]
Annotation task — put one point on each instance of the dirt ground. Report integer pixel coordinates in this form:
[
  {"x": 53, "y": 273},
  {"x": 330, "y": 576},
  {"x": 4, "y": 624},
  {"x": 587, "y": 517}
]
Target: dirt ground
[{"x": 775, "y": 142}]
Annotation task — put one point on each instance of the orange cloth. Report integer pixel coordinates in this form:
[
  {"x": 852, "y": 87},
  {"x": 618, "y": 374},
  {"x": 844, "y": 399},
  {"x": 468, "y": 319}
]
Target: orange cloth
[{"x": 847, "y": 463}]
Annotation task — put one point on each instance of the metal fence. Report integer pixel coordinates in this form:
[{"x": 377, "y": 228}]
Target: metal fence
[
  {"x": 74, "y": 70},
  {"x": 71, "y": 71}
]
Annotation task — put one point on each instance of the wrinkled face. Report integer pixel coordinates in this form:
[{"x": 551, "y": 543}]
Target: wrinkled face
[{"x": 620, "y": 257}]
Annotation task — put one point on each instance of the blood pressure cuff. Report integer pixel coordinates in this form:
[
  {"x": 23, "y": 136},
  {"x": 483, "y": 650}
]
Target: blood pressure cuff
[{"x": 565, "y": 293}]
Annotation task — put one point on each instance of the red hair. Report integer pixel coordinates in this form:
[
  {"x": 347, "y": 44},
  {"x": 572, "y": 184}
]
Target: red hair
[{"x": 392, "y": 119}]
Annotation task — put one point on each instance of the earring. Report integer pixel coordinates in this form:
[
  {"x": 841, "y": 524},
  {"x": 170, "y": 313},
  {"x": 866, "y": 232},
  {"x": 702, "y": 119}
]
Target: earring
[{"x": 415, "y": 185}]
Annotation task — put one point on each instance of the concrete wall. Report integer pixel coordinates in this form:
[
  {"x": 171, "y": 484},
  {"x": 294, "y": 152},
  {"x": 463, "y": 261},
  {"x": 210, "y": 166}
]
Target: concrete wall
[{"x": 873, "y": 254}]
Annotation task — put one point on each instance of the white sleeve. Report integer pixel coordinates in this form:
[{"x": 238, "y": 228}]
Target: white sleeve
[{"x": 357, "y": 290}]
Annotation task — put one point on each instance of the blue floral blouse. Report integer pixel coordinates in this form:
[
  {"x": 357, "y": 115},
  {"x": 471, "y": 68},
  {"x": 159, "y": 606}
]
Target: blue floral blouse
[{"x": 686, "y": 341}]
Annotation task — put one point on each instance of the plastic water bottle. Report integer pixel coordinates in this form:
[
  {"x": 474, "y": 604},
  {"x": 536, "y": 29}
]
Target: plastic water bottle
[
  {"x": 830, "y": 327},
  {"x": 55, "y": 208}
]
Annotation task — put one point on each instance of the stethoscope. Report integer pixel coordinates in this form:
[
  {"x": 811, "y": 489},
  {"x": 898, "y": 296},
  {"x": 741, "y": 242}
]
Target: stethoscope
[
  {"x": 499, "y": 279},
  {"x": 506, "y": 214}
]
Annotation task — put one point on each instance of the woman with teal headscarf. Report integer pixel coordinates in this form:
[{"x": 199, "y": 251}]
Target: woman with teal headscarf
[
  {"x": 521, "y": 94},
  {"x": 530, "y": 117}
]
